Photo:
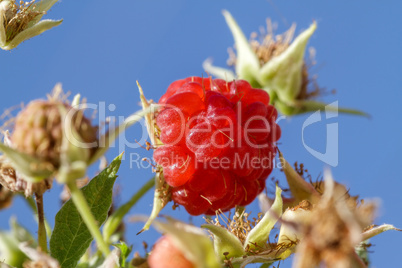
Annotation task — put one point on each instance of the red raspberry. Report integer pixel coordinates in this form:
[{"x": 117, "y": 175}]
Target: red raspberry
[
  {"x": 177, "y": 164},
  {"x": 228, "y": 144},
  {"x": 170, "y": 121},
  {"x": 165, "y": 254}
]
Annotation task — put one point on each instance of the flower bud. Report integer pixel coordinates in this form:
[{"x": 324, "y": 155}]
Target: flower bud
[{"x": 276, "y": 65}]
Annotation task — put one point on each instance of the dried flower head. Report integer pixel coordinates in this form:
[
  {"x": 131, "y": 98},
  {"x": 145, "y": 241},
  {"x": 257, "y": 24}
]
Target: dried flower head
[
  {"x": 334, "y": 230},
  {"x": 52, "y": 138},
  {"x": 38, "y": 130},
  {"x": 20, "y": 21}
]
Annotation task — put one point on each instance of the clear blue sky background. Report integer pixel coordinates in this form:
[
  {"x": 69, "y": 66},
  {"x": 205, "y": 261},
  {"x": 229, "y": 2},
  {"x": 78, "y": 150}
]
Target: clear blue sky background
[{"x": 103, "y": 47}]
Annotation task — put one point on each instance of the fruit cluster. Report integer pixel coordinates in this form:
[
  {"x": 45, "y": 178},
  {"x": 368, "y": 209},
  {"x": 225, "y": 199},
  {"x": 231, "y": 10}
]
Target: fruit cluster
[{"x": 219, "y": 142}]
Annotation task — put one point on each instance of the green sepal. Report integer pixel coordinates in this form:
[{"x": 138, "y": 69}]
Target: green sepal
[
  {"x": 378, "y": 230},
  {"x": 124, "y": 252},
  {"x": 247, "y": 64},
  {"x": 225, "y": 242},
  {"x": 258, "y": 236},
  {"x": 218, "y": 72},
  {"x": 33, "y": 169},
  {"x": 33, "y": 31},
  {"x": 300, "y": 189},
  {"x": 283, "y": 73},
  {"x": 192, "y": 241},
  {"x": 159, "y": 201},
  {"x": 4, "y": 5},
  {"x": 41, "y": 6}
]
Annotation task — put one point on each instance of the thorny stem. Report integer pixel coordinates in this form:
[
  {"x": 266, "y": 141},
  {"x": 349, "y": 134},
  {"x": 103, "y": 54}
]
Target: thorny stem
[
  {"x": 42, "y": 239},
  {"x": 86, "y": 214},
  {"x": 115, "y": 219}
]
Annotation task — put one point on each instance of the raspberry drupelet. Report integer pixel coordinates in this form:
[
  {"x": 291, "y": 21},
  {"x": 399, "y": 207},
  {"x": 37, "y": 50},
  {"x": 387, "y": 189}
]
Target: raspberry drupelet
[{"x": 219, "y": 142}]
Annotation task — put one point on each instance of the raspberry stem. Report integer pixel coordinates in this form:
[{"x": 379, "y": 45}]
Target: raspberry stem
[
  {"x": 86, "y": 214},
  {"x": 115, "y": 219},
  {"x": 42, "y": 239},
  {"x": 32, "y": 205}
]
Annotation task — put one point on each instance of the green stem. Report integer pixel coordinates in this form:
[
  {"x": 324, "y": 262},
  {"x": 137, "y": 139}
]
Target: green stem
[
  {"x": 86, "y": 214},
  {"x": 116, "y": 218},
  {"x": 42, "y": 239},
  {"x": 32, "y": 204}
]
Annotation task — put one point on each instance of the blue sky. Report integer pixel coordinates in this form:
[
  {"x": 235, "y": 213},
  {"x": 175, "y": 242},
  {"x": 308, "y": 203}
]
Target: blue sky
[{"x": 103, "y": 47}]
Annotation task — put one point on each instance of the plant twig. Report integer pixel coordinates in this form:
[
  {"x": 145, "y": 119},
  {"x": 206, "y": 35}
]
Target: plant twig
[
  {"x": 32, "y": 205},
  {"x": 42, "y": 238}
]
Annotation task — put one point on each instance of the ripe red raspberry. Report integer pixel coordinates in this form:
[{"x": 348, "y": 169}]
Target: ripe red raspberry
[
  {"x": 219, "y": 142},
  {"x": 165, "y": 254}
]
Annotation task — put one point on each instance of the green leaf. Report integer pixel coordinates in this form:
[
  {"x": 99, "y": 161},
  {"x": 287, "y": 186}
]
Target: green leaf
[
  {"x": 124, "y": 252},
  {"x": 225, "y": 241},
  {"x": 71, "y": 237},
  {"x": 258, "y": 236}
]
